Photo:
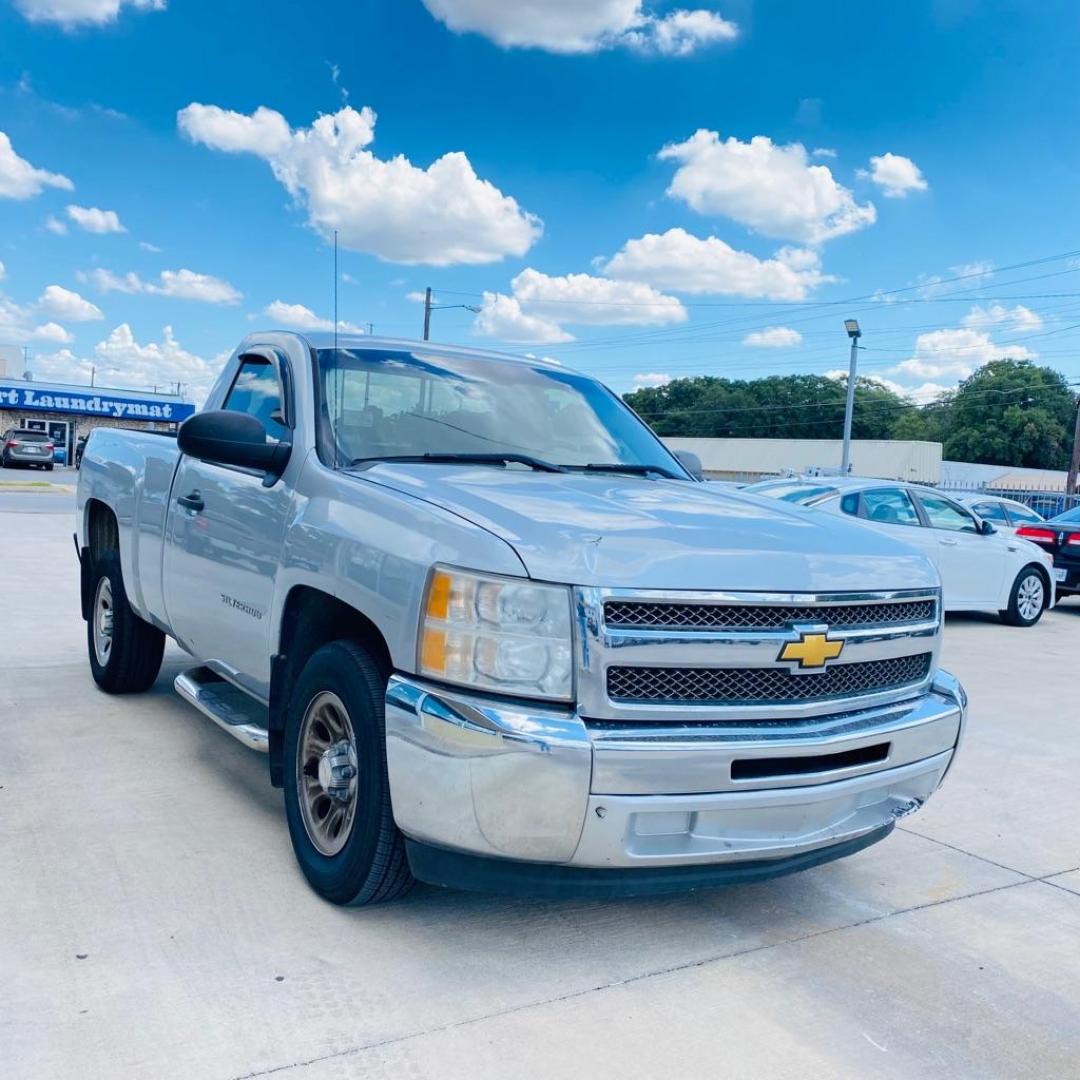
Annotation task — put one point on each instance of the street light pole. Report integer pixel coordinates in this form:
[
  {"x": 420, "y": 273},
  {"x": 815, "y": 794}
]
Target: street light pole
[{"x": 853, "y": 331}]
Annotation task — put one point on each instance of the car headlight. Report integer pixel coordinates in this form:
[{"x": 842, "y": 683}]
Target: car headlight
[{"x": 507, "y": 635}]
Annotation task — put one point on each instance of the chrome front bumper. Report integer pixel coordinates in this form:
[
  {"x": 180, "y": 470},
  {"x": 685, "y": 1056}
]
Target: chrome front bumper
[{"x": 521, "y": 782}]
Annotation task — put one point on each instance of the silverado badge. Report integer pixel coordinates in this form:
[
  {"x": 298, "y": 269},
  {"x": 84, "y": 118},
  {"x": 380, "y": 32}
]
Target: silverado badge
[{"x": 811, "y": 650}]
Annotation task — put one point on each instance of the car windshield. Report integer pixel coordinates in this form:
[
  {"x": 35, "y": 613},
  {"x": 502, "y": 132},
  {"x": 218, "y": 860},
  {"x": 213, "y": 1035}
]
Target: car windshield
[
  {"x": 378, "y": 404},
  {"x": 1070, "y": 517},
  {"x": 794, "y": 493}
]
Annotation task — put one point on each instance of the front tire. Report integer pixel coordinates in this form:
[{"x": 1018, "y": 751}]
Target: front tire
[
  {"x": 1027, "y": 601},
  {"x": 125, "y": 651},
  {"x": 337, "y": 792}
]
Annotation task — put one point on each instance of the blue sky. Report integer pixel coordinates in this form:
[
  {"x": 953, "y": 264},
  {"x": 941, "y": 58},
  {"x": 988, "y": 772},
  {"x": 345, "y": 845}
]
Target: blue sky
[{"x": 641, "y": 190}]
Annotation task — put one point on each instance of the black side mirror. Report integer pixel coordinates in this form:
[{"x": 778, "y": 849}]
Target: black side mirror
[
  {"x": 691, "y": 463},
  {"x": 986, "y": 528},
  {"x": 233, "y": 438}
]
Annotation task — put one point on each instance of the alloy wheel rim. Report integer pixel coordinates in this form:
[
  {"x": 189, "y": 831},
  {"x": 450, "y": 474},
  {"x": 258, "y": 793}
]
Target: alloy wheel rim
[
  {"x": 327, "y": 773},
  {"x": 104, "y": 615},
  {"x": 1029, "y": 598}
]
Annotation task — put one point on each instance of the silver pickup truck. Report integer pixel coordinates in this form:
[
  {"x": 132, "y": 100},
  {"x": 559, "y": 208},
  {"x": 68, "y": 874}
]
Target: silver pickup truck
[{"x": 491, "y": 634}]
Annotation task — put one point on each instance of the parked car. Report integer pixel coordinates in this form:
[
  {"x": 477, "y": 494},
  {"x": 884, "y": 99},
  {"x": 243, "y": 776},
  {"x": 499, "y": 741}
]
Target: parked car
[
  {"x": 33, "y": 449},
  {"x": 981, "y": 569},
  {"x": 1006, "y": 515},
  {"x": 492, "y": 634},
  {"x": 1060, "y": 538}
]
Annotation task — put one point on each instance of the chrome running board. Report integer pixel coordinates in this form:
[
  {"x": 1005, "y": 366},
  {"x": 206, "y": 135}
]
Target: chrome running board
[{"x": 227, "y": 705}]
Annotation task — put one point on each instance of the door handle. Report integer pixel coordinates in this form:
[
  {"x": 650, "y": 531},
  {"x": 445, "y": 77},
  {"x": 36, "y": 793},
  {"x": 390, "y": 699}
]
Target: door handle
[
  {"x": 948, "y": 543},
  {"x": 194, "y": 502}
]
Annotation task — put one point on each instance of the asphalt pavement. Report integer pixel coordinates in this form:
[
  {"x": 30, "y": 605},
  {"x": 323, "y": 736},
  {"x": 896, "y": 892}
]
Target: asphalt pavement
[{"x": 153, "y": 922}]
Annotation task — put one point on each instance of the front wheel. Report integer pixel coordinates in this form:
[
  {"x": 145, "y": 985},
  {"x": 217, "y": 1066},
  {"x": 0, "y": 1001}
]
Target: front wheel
[
  {"x": 1027, "y": 600},
  {"x": 125, "y": 651},
  {"x": 337, "y": 792}
]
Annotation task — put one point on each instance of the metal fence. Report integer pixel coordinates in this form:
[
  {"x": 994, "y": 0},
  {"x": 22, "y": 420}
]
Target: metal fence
[{"x": 1048, "y": 501}]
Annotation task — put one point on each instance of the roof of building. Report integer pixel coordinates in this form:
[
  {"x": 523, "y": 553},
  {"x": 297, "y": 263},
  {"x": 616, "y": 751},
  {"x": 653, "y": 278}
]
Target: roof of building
[{"x": 85, "y": 389}]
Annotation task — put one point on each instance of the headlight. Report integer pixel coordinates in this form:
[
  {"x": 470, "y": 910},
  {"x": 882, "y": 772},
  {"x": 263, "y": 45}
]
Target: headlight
[{"x": 507, "y": 635}]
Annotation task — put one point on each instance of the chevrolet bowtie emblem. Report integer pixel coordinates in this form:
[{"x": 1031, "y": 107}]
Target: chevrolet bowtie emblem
[{"x": 811, "y": 650}]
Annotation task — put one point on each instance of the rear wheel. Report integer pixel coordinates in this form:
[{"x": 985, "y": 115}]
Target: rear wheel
[
  {"x": 125, "y": 651},
  {"x": 337, "y": 793},
  {"x": 1027, "y": 600}
]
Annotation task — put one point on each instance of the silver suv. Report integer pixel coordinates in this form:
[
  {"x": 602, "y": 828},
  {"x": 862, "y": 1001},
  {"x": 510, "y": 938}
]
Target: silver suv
[{"x": 21, "y": 446}]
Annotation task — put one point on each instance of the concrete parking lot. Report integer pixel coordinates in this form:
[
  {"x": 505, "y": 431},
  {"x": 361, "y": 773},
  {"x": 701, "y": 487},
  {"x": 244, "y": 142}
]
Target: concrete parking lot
[{"x": 153, "y": 923}]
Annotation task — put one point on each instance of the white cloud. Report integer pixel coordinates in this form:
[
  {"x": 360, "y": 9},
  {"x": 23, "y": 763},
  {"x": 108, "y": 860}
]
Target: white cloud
[
  {"x": 896, "y": 175},
  {"x": 3, "y": 271},
  {"x": 121, "y": 361},
  {"x": 19, "y": 326},
  {"x": 298, "y": 317},
  {"x": 540, "y": 304},
  {"x": 152, "y": 248},
  {"x": 417, "y": 297},
  {"x": 583, "y": 26},
  {"x": 964, "y": 276},
  {"x": 91, "y": 219},
  {"x": 74, "y": 13},
  {"x": 772, "y": 189},
  {"x": 438, "y": 216},
  {"x": 683, "y": 262},
  {"x": 956, "y": 353},
  {"x": 595, "y": 301},
  {"x": 1018, "y": 318},
  {"x": 20, "y": 180},
  {"x": 55, "y": 225},
  {"x": 501, "y": 317},
  {"x": 650, "y": 378},
  {"x": 773, "y": 337},
  {"x": 62, "y": 303},
  {"x": 923, "y": 393},
  {"x": 823, "y": 152},
  {"x": 180, "y": 284}
]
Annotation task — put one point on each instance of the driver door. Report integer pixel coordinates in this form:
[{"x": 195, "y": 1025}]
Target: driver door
[{"x": 224, "y": 539}]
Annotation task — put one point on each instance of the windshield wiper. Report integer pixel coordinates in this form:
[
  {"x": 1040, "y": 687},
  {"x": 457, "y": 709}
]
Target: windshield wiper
[
  {"x": 465, "y": 459},
  {"x": 633, "y": 469}
]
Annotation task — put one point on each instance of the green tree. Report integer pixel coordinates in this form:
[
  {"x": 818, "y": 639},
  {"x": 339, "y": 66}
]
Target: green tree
[
  {"x": 1012, "y": 412},
  {"x": 776, "y": 407}
]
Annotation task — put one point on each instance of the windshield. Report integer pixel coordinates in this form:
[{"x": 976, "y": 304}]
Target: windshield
[
  {"x": 411, "y": 404},
  {"x": 1070, "y": 517},
  {"x": 793, "y": 493}
]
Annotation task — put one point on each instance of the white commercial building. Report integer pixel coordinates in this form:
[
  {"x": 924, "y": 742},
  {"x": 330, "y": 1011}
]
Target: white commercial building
[{"x": 749, "y": 459}]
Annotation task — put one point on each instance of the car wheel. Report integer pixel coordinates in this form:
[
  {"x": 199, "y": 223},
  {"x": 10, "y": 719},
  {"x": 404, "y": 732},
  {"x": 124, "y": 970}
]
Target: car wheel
[
  {"x": 48, "y": 468},
  {"x": 337, "y": 792},
  {"x": 125, "y": 651},
  {"x": 1027, "y": 600}
]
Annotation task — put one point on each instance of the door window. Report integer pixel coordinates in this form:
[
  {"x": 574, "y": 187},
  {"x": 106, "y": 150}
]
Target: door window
[
  {"x": 1021, "y": 515},
  {"x": 889, "y": 506},
  {"x": 257, "y": 392},
  {"x": 991, "y": 511},
  {"x": 944, "y": 514}
]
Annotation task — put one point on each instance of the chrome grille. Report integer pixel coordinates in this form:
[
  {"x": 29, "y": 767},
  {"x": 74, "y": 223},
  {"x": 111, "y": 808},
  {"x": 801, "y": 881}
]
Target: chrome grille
[
  {"x": 674, "y": 616},
  {"x": 727, "y": 686}
]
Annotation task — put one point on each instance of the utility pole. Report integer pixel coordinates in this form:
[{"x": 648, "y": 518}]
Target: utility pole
[
  {"x": 427, "y": 314},
  {"x": 853, "y": 331},
  {"x": 1074, "y": 464},
  {"x": 93, "y": 375}
]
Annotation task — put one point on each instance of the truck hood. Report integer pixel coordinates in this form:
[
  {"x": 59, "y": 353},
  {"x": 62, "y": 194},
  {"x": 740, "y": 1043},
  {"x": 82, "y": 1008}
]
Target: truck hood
[{"x": 630, "y": 532}]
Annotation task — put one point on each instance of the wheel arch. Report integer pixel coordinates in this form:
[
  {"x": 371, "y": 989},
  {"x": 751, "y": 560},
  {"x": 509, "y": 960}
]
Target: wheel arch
[{"x": 311, "y": 618}]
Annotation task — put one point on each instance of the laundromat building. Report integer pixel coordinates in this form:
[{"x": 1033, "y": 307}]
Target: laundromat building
[{"x": 66, "y": 413}]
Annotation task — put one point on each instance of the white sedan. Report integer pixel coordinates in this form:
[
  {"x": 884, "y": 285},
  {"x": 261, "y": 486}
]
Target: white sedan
[
  {"x": 981, "y": 569},
  {"x": 1006, "y": 515}
]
